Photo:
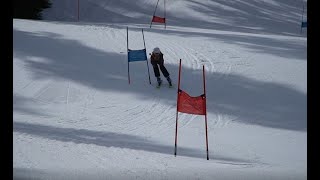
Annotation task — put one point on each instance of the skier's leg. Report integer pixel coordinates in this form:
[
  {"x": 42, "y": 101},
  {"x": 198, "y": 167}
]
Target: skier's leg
[
  {"x": 157, "y": 73},
  {"x": 159, "y": 81},
  {"x": 165, "y": 73},
  {"x": 156, "y": 70},
  {"x": 164, "y": 70},
  {"x": 169, "y": 80}
]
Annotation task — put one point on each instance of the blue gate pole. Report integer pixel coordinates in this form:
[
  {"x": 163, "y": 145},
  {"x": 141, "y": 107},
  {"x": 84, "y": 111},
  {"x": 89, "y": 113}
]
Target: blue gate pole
[
  {"x": 147, "y": 57},
  {"x": 302, "y": 19},
  {"x": 128, "y": 55}
]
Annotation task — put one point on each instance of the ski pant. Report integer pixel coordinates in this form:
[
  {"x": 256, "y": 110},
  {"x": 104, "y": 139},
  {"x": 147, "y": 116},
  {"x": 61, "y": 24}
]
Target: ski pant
[{"x": 162, "y": 68}]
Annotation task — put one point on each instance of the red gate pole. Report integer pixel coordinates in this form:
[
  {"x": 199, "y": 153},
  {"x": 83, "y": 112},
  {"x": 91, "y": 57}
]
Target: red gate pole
[
  {"x": 175, "y": 143},
  {"x": 205, "y": 108}
]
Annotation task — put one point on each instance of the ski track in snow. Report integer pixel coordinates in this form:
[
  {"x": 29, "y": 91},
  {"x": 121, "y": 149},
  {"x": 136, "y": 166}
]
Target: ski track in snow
[
  {"x": 90, "y": 108},
  {"x": 155, "y": 110},
  {"x": 191, "y": 58}
]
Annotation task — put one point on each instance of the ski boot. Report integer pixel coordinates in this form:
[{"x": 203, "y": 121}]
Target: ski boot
[{"x": 159, "y": 82}]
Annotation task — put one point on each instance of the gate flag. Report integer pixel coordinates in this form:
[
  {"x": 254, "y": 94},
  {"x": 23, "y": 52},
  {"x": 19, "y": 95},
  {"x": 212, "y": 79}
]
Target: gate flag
[
  {"x": 158, "y": 19},
  {"x": 191, "y": 105},
  {"x": 137, "y": 55}
]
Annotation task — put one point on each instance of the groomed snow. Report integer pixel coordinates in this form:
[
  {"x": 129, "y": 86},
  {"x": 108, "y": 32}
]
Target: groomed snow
[{"x": 76, "y": 117}]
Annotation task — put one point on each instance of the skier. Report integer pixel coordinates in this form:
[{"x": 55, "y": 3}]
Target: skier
[{"x": 157, "y": 59}]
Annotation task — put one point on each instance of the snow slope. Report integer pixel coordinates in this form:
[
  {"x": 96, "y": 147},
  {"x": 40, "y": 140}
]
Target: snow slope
[{"x": 76, "y": 117}]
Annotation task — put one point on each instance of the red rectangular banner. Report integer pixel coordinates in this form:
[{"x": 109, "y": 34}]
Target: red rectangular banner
[
  {"x": 191, "y": 105},
  {"x": 158, "y": 19}
]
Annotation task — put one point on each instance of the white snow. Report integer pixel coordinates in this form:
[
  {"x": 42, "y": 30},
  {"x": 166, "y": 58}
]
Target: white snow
[{"x": 76, "y": 117}]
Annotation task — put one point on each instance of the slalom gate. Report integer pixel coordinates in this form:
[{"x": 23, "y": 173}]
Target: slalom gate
[
  {"x": 137, "y": 55},
  {"x": 191, "y": 105},
  {"x": 158, "y": 19}
]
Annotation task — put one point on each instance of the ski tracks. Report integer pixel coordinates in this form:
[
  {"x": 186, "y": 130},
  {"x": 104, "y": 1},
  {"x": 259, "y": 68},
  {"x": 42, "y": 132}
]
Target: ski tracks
[{"x": 194, "y": 55}]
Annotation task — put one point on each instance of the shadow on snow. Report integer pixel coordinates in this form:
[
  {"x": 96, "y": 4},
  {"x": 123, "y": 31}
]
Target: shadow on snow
[
  {"x": 254, "y": 102},
  {"x": 109, "y": 139}
]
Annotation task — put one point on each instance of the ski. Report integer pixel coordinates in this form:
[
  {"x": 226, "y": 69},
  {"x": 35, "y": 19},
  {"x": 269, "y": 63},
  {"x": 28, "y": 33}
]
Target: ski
[{"x": 158, "y": 86}]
